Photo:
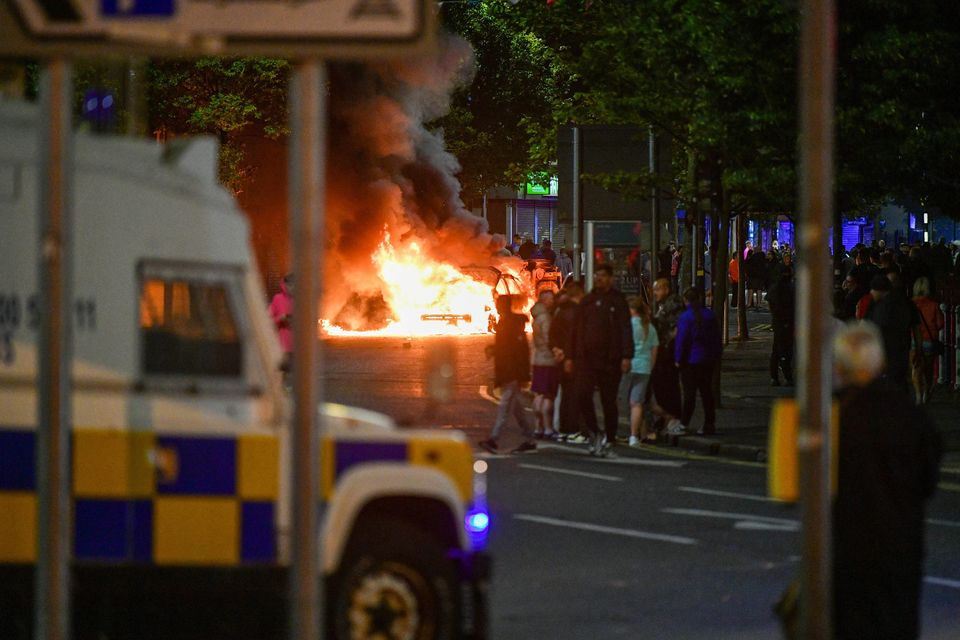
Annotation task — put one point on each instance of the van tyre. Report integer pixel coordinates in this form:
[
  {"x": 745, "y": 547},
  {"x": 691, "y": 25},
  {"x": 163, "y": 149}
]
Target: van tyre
[{"x": 395, "y": 583}]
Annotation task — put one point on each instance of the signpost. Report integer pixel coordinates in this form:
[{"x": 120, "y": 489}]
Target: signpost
[
  {"x": 305, "y": 30},
  {"x": 282, "y": 28}
]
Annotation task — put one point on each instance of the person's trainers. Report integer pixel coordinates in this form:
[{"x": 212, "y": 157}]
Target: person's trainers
[
  {"x": 578, "y": 438},
  {"x": 634, "y": 441},
  {"x": 675, "y": 428},
  {"x": 594, "y": 444},
  {"x": 489, "y": 445},
  {"x": 528, "y": 445},
  {"x": 606, "y": 451}
]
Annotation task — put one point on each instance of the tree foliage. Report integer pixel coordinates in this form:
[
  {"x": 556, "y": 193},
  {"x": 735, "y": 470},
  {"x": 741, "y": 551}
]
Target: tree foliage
[
  {"x": 222, "y": 97},
  {"x": 516, "y": 82}
]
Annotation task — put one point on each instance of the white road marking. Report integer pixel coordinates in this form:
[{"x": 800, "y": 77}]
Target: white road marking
[
  {"x": 639, "y": 462},
  {"x": 951, "y": 470},
  {"x": 586, "y": 526},
  {"x": 726, "y": 515},
  {"x": 727, "y": 494},
  {"x": 942, "y": 582},
  {"x": 943, "y": 523},
  {"x": 753, "y": 525},
  {"x": 486, "y": 455},
  {"x": 582, "y": 474}
]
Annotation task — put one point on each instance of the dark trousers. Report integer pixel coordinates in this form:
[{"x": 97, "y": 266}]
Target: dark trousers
[
  {"x": 665, "y": 383},
  {"x": 781, "y": 356},
  {"x": 607, "y": 380},
  {"x": 569, "y": 406},
  {"x": 698, "y": 377}
]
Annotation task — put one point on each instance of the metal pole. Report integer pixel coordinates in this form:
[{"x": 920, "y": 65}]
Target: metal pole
[
  {"x": 654, "y": 208},
  {"x": 589, "y": 250},
  {"x": 307, "y": 166},
  {"x": 695, "y": 256},
  {"x": 52, "y": 587},
  {"x": 576, "y": 204},
  {"x": 817, "y": 42}
]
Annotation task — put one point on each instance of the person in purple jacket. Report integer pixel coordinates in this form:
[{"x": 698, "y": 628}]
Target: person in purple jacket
[{"x": 696, "y": 354}]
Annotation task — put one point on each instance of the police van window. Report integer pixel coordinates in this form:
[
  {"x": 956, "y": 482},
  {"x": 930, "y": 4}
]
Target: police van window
[{"x": 188, "y": 328}]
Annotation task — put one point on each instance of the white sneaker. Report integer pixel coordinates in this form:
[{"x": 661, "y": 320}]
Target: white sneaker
[
  {"x": 634, "y": 441},
  {"x": 676, "y": 428}
]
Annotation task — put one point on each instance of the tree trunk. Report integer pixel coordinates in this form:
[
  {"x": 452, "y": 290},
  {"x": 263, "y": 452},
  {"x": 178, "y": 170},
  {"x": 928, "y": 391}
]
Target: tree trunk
[{"x": 719, "y": 252}]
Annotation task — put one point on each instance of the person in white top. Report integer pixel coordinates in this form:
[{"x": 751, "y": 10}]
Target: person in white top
[{"x": 645, "y": 342}]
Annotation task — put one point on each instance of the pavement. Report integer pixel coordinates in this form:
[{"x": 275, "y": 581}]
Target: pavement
[{"x": 746, "y": 398}]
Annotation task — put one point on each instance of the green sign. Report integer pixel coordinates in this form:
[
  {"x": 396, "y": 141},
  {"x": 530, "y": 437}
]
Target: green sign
[{"x": 537, "y": 189}]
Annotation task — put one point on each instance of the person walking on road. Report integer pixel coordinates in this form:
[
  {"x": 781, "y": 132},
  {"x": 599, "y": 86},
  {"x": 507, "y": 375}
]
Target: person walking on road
[
  {"x": 546, "y": 375},
  {"x": 645, "y": 345},
  {"x": 888, "y": 460},
  {"x": 601, "y": 348},
  {"x": 696, "y": 354},
  {"x": 511, "y": 365}
]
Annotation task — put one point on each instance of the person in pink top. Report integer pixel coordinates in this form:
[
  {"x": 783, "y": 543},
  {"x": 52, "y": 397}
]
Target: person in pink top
[
  {"x": 281, "y": 310},
  {"x": 931, "y": 322}
]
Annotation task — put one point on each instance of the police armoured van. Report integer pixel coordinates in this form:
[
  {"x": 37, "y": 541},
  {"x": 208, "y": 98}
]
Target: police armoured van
[{"x": 181, "y": 431}]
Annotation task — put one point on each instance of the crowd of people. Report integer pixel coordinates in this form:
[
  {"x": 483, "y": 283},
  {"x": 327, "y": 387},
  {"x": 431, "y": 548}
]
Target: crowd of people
[
  {"x": 651, "y": 363},
  {"x": 527, "y": 249},
  {"x": 897, "y": 291}
]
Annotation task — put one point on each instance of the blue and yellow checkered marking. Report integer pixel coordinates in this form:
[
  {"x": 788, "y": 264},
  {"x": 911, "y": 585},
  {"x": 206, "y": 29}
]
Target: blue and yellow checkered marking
[
  {"x": 140, "y": 497},
  {"x": 187, "y": 500}
]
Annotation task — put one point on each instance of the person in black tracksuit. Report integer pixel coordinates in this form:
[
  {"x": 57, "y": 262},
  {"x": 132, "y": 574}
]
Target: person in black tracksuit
[{"x": 601, "y": 347}]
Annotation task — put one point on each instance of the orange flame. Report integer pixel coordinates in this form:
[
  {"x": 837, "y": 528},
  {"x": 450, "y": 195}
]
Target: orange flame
[{"x": 426, "y": 297}]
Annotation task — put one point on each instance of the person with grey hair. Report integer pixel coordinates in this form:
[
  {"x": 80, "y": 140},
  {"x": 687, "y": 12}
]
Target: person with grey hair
[{"x": 888, "y": 459}]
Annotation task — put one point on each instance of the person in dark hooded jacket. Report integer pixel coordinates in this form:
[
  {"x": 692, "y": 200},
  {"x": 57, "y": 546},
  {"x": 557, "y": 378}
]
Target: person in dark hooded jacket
[
  {"x": 511, "y": 368},
  {"x": 600, "y": 351}
]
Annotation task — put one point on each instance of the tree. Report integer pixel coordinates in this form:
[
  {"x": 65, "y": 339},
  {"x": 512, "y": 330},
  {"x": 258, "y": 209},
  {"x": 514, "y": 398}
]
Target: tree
[
  {"x": 516, "y": 83},
  {"x": 223, "y": 97}
]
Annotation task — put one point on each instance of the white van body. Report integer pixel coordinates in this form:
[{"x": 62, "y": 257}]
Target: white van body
[{"x": 180, "y": 418}]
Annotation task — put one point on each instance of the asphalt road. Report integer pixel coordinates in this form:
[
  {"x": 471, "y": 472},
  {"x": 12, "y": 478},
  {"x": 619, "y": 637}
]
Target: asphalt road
[{"x": 656, "y": 543}]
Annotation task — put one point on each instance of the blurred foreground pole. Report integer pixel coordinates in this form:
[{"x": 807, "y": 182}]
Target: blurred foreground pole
[
  {"x": 817, "y": 46},
  {"x": 308, "y": 116},
  {"x": 52, "y": 587},
  {"x": 654, "y": 207},
  {"x": 575, "y": 206}
]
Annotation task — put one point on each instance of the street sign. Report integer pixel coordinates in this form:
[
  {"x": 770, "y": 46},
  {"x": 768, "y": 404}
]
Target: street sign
[{"x": 291, "y": 28}]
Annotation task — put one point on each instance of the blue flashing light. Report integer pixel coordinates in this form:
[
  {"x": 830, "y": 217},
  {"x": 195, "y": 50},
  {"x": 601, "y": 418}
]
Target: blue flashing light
[{"x": 477, "y": 522}]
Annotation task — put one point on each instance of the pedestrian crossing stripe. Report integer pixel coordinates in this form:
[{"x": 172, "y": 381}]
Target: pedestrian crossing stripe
[{"x": 763, "y": 327}]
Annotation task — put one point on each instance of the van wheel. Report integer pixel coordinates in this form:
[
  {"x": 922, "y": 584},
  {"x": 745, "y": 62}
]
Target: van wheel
[{"x": 395, "y": 583}]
